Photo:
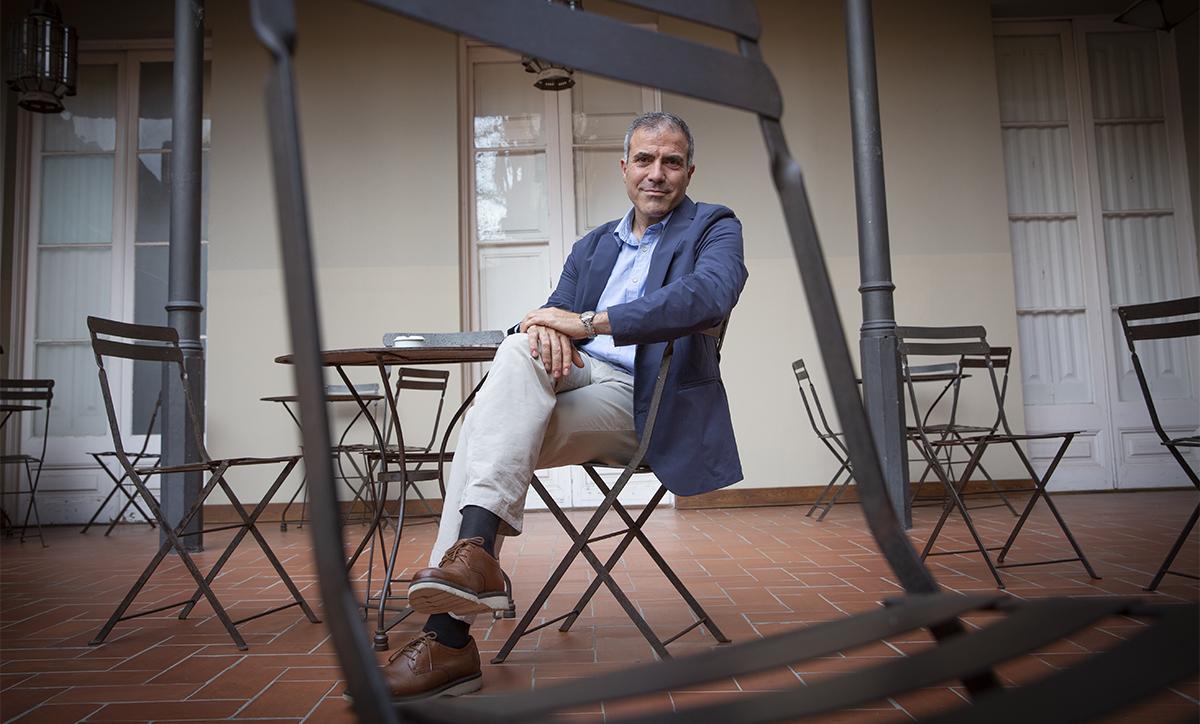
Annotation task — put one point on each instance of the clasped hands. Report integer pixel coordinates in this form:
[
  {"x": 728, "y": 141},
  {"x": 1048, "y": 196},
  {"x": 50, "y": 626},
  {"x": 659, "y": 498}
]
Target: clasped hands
[{"x": 551, "y": 332}]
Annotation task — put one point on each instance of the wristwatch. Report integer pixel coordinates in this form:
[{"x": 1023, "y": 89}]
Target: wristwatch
[{"x": 586, "y": 318}]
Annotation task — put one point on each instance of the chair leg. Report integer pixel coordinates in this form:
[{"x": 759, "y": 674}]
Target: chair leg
[
  {"x": 1040, "y": 490},
  {"x": 998, "y": 491},
  {"x": 380, "y": 639},
  {"x": 172, "y": 542},
  {"x": 952, "y": 490},
  {"x": 100, "y": 508},
  {"x": 824, "y": 491},
  {"x": 632, "y": 526},
  {"x": 283, "y": 519},
  {"x": 579, "y": 546},
  {"x": 1165, "y": 568},
  {"x": 635, "y": 528},
  {"x": 34, "y": 479},
  {"x": 837, "y": 494},
  {"x": 251, "y": 523},
  {"x": 131, "y": 501}
]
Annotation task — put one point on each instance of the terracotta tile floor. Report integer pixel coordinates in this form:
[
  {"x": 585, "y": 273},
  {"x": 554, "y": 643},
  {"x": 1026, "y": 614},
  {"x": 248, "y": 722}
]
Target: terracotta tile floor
[{"x": 758, "y": 571}]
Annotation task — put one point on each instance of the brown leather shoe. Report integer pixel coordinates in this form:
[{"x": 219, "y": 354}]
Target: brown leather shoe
[
  {"x": 424, "y": 669},
  {"x": 468, "y": 580}
]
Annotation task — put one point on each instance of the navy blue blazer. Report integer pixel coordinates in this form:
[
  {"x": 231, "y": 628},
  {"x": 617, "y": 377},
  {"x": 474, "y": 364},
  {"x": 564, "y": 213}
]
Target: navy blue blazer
[{"x": 696, "y": 275}]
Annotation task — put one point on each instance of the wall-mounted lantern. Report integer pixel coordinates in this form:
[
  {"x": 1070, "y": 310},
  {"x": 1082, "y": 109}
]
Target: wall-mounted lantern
[
  {"x": 43, "y": 59},
  {"x": 551, "y": 77}
]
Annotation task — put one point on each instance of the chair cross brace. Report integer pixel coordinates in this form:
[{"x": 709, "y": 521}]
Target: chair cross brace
[
  {"x": 954, "y": 490},
  {"x": 173, "y": 542},
  {"x": 581, "y": 545}
]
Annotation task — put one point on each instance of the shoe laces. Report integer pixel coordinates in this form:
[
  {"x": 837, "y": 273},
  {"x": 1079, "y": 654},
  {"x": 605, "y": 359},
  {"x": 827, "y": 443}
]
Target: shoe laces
[
  {"x": 412, "y": 649},
  {"x": 459, "y": 549}
]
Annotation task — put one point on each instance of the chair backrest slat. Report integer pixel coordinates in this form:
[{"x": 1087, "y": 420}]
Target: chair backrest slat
[
  {"x": 1154, "y": 310},
  {"x": 137, "y": 352},
  {"x": 971, "y": 332},
  {"x": 1000, "y": 357},
  {"x": 1165, "y": 330},
  {"x": 940, "y": 368},
  {"x": 427, "y": 374},
  {"x": 113, "y": 328},
  {"x": 33, "y": 390},
  {"x": 941, "y": 349},
  {"x": 407, "y": 384}
]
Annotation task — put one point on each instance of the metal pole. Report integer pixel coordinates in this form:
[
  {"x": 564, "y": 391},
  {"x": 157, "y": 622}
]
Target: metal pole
[
  {"x": 180, "y": 491},
  {"x": 880, "y": 362}
]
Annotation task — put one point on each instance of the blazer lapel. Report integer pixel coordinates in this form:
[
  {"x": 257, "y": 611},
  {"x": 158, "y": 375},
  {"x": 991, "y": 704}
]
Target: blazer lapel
[
  {"x": 604, "y": 258},
  {"x": 665, "y": 250}
]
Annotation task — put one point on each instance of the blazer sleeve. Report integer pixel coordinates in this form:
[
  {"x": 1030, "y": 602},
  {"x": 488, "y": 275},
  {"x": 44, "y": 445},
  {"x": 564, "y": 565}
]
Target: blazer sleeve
[{"x": 694, "y": 302}]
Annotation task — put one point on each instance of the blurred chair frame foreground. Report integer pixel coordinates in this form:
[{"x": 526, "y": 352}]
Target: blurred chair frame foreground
[
  {"x": 146, "y": 343},
  {"x": 1151, "y": 330},
  {"x": 1163, "y": 652}
]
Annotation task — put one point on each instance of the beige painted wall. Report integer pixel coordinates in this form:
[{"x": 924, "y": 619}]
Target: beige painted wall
[
  {"x": 378, "y": 113},
  {"x": 944, "y": 170}
]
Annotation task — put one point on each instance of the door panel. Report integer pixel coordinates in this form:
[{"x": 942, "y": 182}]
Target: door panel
[
  {"x": 1056, "y": 296},
  {"x": 1095, "y": 208}
]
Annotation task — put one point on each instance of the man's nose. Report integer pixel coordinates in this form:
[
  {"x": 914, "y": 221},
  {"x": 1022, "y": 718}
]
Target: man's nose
[{"x": 656, "y": 171}]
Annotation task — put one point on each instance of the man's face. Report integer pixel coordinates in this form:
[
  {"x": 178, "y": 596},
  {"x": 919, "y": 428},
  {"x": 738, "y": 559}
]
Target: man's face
[{"x": 657, "y": 172}]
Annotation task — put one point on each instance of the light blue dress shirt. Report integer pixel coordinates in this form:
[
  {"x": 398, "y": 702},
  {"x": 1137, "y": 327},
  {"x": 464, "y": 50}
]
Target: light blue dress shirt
[{"x": 626, "y": 283}]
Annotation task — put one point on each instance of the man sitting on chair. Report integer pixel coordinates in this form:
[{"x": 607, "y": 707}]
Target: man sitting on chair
[{"x": 572, "y": 384}]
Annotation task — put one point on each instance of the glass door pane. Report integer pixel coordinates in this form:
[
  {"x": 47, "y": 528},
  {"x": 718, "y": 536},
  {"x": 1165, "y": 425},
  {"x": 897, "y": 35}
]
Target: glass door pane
[
  {"x": 601, "y": 111},
  {"x": 74, "y": 247}
]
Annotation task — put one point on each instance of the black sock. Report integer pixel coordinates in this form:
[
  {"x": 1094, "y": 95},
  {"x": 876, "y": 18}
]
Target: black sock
[
  {"x": 480, "y": 523},
  {"x": 450, "y": 631}
]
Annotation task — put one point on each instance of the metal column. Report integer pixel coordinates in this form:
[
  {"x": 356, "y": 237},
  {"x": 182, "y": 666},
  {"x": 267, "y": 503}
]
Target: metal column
[
  {"x": 877, "y": 344},
  {"x": 180, "y": 491}
]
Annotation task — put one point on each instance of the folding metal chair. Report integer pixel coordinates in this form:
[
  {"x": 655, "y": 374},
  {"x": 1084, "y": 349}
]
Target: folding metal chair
[
  {"x": 963, "y": 343},
  {"x": 832, "y": 441},
  {"x": 18, "y": 396},
  {"x": 1154, "y": 328},
  {"x": 414, "y": 379},
  {"x": 119, "y": 483},
  {"x": 582, "y": 540},
  {"x": 341, "y": 450},
  {"x": 953, "y": 428},
  {"x": 1161, "y": 653},
  {"x": 139, "y": 342}
]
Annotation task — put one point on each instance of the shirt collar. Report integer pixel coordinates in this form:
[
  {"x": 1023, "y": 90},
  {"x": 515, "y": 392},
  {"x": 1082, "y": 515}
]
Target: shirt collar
[{"x": 624, "y": 230}]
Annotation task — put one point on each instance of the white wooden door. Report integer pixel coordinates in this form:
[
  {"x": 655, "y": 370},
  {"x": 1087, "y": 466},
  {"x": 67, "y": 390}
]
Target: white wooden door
[
  {"x": 1145, "y": 243},
  {"x": 543, "y": 171},
  {"x": 1098, "y": 218}
]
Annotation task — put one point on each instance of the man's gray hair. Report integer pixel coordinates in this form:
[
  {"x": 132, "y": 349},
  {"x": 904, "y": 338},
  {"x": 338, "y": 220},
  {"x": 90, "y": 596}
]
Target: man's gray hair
[{"x": 655, "y": 120}]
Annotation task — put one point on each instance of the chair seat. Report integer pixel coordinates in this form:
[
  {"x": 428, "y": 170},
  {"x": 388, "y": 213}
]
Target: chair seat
[
  {"x": 213, "y": 465},
  {"x": 111, "y": 454},
  {"x": 948, "y": 428},
  {"x": 1190, "y": 441},
  {"x": 19, "y": 459},
  {"x": 617, "y": 466},
  {"x": 1002, "y": 438}
]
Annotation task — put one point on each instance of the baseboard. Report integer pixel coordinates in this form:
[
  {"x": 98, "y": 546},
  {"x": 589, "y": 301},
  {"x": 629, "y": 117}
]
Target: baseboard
[
  {"x": 807, "y": 495},
  {"x": 728, "y": 498},
  {"x": 221, "y": 513}
]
